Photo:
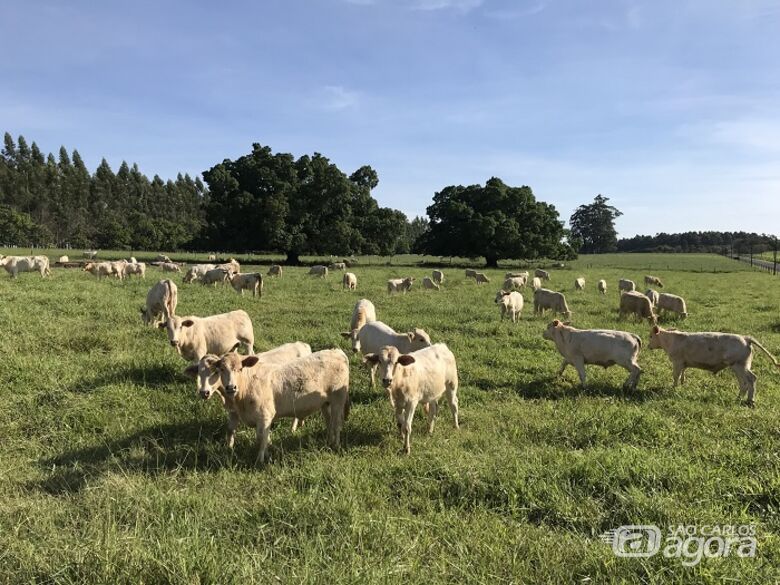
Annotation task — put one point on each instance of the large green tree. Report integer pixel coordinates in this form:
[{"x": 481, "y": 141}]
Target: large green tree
[
  {"x": 495, "y": 221},
  {"x": 594, "y": 226},
  {"x": 271, "y": 201}
]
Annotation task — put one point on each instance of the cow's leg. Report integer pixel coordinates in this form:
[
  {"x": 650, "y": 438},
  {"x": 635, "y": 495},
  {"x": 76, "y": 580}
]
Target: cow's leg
[
  {"x": 232, "y": 426},
  {"x": 411, "y": 406},
  {"x": 633, "y": 378},
  {"x": 373, "y": 375},
  {"x": 433, "y": 408},
  {"x": 263, "y": 437},
  {"x": 678, "y": 373},
  {"x": 452, "y": 398},
  {"x": 579, "y": 365},
  {"x": 336, "y": 422},
  {"x": 562, "y": 368}
]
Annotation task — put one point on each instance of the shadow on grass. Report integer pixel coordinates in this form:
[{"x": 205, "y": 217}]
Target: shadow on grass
[
  {"x": 145, "y": 376},
  {"x": 186, "y": 446},
  {"x": 554, "y": 388}
]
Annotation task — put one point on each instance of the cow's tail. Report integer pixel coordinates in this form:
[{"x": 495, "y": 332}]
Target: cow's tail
[
  {"x": 347, "y": 404},
  {"x": 638, "y": 340},
  {"x": 753, "y": 341}
]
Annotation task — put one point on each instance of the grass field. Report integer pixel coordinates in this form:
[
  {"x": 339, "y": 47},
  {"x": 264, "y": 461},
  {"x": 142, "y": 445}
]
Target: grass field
[{"x": 112, "y": 471}]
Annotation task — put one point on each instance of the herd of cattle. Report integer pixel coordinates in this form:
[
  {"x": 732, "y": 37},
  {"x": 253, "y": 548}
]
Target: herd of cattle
[{"x": 291, "y": 381}]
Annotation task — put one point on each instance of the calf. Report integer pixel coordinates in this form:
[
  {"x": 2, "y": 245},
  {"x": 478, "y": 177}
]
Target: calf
[
  {"x": 673, "y": 303},
  {"x": 257, "y": 393},
  {"x": 118, "y": 268},
  {"x": 650, "y": 280},
  {"x": 536, "y": 283},
  {"x": 471, "y": 273},
  {"x": 411, "y": 378},
  {"x": 602, "y": 286},
  {"x": 248, "y": 281},
  {"x": 653, "y": 296},
  {"x": 319, "y": 270},
  {"x": 403, "y": 285},
  {"x": 275, "y": 270},
  {"x": 524, "y": 275},
  {"x": 349, "y": 281},
  {"x": 138, "y": 268},
  {"x": 437, "y": 276},
  {"x": 16, "y": 264},
  {"x": 214, "y": 276},
  {"x": 481, "y": 278},
  {"x": 511, "y": 303},
  {"x": 364, "y": 312},
  {"x": 547, "y": 299},
  {"x": 429, "y": 284},
  {"x": 514, "y": 283},
  {"x": 197, "y": 271},
  {"x": 232, "y": 266},
  {"x": 543, "y": 274},
  {"x": 597, "y": 347},
  {"x": 626, "y": 285},
  {"x": 170, "y": 267},
  {"x": 375, "y": 335},
  {"x": 579, "y": 283},
  {"x": 712, "y": 352},
  {"x": 638, "y": 304},
  {"x": 337, "y": 266},
  {"x": 161, "y": 301},
  {"x": 99, "y": 269},
  {"x": 193, "y": 337}
]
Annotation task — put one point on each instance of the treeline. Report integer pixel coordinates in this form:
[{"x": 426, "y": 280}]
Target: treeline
[
  {"x": 261, "y": 202},
  {"x": 703, "y": 242},
  {"x": 48, "y": 201}
]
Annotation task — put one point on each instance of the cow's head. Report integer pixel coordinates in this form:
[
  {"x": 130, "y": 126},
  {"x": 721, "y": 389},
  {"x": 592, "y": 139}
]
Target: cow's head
[
  {"x": 229, "y": 367},
  {"x": 419, "y": 339},
  {"x": 207, "y": 375},
  {"x": 501, "y": 295},
  {"x": 655, "y": 337},
  {"x": 389, "y": 360},
  {"x": 174, "y": 326},
  {"x": 552, "y": 330},
  {"x": 353, "y": 337}
]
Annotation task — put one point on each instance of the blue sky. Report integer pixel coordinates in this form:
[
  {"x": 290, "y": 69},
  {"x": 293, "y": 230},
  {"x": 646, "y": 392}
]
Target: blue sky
[{"x": 670, "y": 108}]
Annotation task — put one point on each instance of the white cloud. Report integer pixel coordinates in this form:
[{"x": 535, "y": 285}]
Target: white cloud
[
  {"x": 459, "y": 5},
  {"x": 526, "y": 9},
  {"x": 337, "y": 97}
]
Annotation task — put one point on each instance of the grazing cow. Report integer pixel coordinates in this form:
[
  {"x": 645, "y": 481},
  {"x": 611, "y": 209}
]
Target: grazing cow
[
  {"x": 118, "y": 268},
  {"x": 598, "y": 347},
  {"x": 524, "y": 275},
  {"x": 548, "y": 299},
  {"x": 603, "y": 286},
  {"x": 16, "y": 264},
  {"x": 133, "y": 260},
  {"x": 638, "y": 304},
  {"x": 214, "y": 276},
  {"x": 579, "y": 283},
  {"x": 626, "y": 285},
  {"x": 135, "y": 268},
  {"x": 429, "y": 284},
  {"x": 403, "y": 285},
  {"x": 248, "y": 281},
  {"x": 161, "y": 301},
  {"x": 257, "y": 393},
  {"x": 437, "y": 276},
  {"x": 471, "y": 273},
  {"x": 536, "y": 283},
  {"x": 211, "y": 384},
  {"x": 423, "y": 376},
  {"x": 650, "y": 280},
  {"x": 374, "y": 335},
  {"x": 193, "y": 337},
  {"x": 170, "y": 267},
  {"x": 480, "y": 278},
  {"x": 349, "y": 281},
  {"x": 653, "y": 296},
  {"x": 511, "y": 303},
  {"x": 514, "y": 283},
  {"x": 319, "y": 270},
  {"x": 337, "y": 266},
  {"x": 163, "y": 258},
  {"x": 197, "y": 271},
  {"x": 672, "y": 303},
  {"x": 543, "y": 274},
  {"x": 364, "y": 312},
  {"x": 99, "y": 269},
  {"x": 275, "y": 270},
  {"x": 712, "y": 352}
]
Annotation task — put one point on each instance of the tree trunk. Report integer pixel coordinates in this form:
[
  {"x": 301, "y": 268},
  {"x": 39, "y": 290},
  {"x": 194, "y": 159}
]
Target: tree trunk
[
  {"x": 491, "y": 262},
  {"x": 292, "y": 259}
]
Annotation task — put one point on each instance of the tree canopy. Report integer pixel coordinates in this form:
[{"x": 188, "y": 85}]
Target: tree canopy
[
  {"x": 495, "y": 221},
  {"x": 593, "y": 226},
  {"x": 271, "y": 201}
]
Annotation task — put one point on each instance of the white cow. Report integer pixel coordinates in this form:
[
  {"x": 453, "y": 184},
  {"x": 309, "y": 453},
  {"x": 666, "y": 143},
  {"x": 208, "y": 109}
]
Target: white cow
[
  {"x": 547, "y": 299},
  {"x": 536, "y": 283},
  {"x": 481, "y": 278},
  {"x": 247, "y": 281},
  {"x": 712, "y": 352},
  {"x": 437, "y": 276},
  {"x": 319, "y": 270},
  {"x": 543, "y": 274},
  {"x": 511, "y": 304},
  {"x": 423, "y": 376},
  {"x": 197, "y": 271},
  {"x": 138, "y": 268},
  {"x": 275, "y": 270},
  {"x": 214, "y": 276},
  {"x": 193, "y": 337},
  {"x": 650, "y": 280},
  {"x": 514, "y": 283},
  {"x": 170, "y": 267},
  {"x": 16, "y": 264},
  {"x": 429, "y": 284},
  {"x": 673, "y": 303},
  {"x": 258, "y": 393},
  {"x": 603, "y": 286},
  {"x": 364, "y": 312},
  {"x": 597, "y": 347},
  {"x": 579, "y": 283},
  {"x": 161, "y": 301},
  {"x": 349, "y": 281},
  {"x": 403, "y": 285},
  {"x": 634, "y": 302},
  {"x": 626, "y": 285}
]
